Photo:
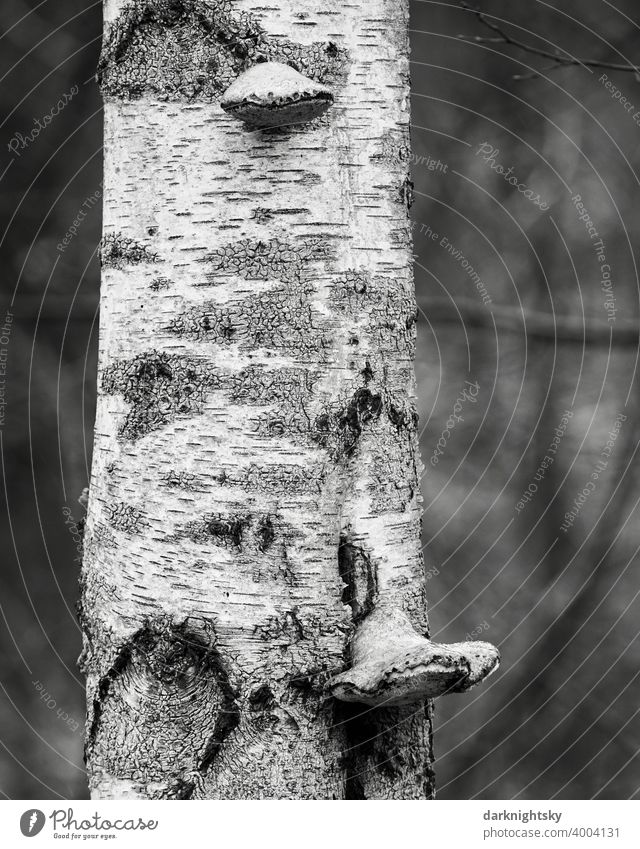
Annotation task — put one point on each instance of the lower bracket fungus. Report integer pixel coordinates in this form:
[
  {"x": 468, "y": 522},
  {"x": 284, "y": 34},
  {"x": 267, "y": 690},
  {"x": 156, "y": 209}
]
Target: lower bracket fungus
[{"x": 394, "y": 665}]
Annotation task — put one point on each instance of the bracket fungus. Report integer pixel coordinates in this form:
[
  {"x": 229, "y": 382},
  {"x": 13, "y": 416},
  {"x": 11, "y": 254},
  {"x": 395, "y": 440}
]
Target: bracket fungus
[
  {"x": 271, "y": 94},
  {"x": 394, "y": 665}
]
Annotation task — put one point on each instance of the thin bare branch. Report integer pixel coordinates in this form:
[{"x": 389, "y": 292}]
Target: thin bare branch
[{"x": 558, "y": 59}]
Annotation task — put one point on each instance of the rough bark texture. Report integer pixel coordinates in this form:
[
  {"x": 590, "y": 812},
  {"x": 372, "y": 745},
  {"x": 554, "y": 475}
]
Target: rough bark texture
[{"x": 255, "y": 486}]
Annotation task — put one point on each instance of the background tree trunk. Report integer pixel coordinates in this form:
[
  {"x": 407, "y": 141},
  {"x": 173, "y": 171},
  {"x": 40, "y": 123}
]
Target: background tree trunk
[{"x": 254, "y": 487}]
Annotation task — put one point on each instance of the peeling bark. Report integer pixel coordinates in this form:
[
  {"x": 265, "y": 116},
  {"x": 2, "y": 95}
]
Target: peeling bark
[{"x": 255, "y": 485}]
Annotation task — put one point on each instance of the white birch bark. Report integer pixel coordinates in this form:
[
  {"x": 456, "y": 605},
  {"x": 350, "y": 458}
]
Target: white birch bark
[{"x": 255, "y": 482}]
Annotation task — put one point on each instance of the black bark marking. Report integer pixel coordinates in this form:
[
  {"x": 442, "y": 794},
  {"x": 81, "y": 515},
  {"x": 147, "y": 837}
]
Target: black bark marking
[
  {"x": 261, "y": 698},
  {"x": 155, "y": 709},
  {"x": 158, "y": 387},
  {"x": 214, "y": 527},
  {"x": 363, "y": 407},
  {"x": 116, "y": 251},
  {"x": 186, "y": 49},
  {"x": 262, "y": 708},
  {"x": 228, "y": 717},
  {"x": 406, "y": 196},
  {"x": 340, "y": 432},
  {"x": 367, "y": 372},
  {"x": 117, "y": 668},
  {"x": 242, "y": 532},
  {"x": 264, "y": 214},
  {"x": 360, "y": 579},
  {"x": 265, "y": 533},
  {"x": 228, "y": 530}
]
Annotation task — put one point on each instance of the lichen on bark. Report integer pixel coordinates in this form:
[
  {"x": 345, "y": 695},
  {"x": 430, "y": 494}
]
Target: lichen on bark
[
  {"x": 158, "y": 387},
  {"x": 117, "y": 250},
  {"x": 188, "y": 49}
]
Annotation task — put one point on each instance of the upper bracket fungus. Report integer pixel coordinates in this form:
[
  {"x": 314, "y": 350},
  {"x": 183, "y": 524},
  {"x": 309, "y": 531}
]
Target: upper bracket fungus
[
  {"x": 271, "y": 94},
  {"x": 394, "y": 665}
]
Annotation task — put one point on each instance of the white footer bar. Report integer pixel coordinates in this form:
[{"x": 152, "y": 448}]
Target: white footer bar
[{"x": 321, "y": 825}]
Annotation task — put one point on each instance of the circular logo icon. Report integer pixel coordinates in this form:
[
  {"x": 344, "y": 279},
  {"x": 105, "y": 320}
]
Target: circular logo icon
[{"x": 32, "y": 822}]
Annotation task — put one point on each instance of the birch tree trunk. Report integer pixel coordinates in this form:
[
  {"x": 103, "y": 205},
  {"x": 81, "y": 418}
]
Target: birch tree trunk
[{"x": 255, "y": 486}]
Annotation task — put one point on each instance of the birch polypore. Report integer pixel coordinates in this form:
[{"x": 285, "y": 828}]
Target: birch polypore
[
  {"x": 271, "y": 94},
  {"x": 392, "y": 664},
  {"x": 254, "y": 511}
]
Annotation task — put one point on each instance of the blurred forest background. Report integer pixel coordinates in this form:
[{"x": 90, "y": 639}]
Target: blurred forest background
[{"x": 514, "y": 298}]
